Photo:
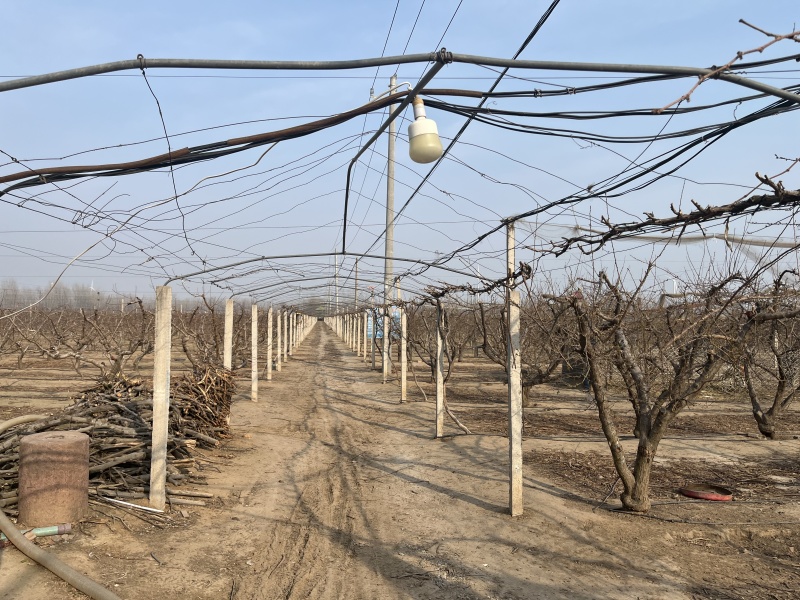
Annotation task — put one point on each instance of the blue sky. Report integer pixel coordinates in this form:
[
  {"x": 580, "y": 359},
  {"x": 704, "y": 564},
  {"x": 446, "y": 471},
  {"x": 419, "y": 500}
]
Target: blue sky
[{"x": 290, "y": 204}]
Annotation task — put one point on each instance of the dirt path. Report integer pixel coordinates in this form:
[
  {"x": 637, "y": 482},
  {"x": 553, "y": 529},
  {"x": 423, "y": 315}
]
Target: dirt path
[{"x": 332, "y": 489}]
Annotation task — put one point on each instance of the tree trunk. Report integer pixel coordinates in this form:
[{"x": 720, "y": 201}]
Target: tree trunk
[
  {"x": 637, "y": 497},
  {"x": 526, "y": 396},
  {"x": 765, "y": 422}
]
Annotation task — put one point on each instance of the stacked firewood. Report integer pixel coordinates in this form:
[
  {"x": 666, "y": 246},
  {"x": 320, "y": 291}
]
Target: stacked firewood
[{"x": 117, "y": 416}]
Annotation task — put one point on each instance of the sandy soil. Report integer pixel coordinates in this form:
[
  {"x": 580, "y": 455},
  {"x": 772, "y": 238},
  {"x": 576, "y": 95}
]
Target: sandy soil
[{"x": 330, "y": 488}]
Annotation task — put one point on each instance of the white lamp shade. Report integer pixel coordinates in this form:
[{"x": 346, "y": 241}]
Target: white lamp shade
[{"x": 424, "y": 143}]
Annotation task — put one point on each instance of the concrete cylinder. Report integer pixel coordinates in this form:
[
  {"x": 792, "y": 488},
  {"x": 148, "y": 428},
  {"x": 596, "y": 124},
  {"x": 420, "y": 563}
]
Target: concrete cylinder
[{"x": 53, "y": 478}]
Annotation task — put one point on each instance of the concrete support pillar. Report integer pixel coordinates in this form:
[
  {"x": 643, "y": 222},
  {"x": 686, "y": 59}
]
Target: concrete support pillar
[
  {"x": 161, "y": 381},
  {"x": 357, "y": 333},
  {"x": 269, "y": 344},
  {"x": 291, "y": 334},
  {"x": 385, "y": 358},
  {"x": 227, "y": 356},
  {"x": 403, "y": 355},
  {"x": 366, "y": 334},
  {"x": 278, "y": 340},
  {"x": 286, "y": 336},
  {"x": 254, "y": 353},
  {"x": 439, "y": 370},
  {"x": 374, "y": 339},
  {"x": 514, "y": 383}
]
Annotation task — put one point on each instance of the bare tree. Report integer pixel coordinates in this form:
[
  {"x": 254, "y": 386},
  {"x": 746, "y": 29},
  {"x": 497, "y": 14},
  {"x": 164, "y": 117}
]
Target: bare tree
[
  {"x": 107, "y": 341},
  {"x": 202, "y": 334},
  {"x": 546, "y": 341},
  {"x": 769, "y": 359},
  {"x": 675, "y": 353}
]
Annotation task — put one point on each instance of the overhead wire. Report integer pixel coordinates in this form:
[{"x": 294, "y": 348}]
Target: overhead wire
[
  {"x": 542, "y": 20},
  {"x": 96, "y": 210}
]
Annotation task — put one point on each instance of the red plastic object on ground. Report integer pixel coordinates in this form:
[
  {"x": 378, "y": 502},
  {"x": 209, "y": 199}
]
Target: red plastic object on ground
[{"x": 707, "y": 492}]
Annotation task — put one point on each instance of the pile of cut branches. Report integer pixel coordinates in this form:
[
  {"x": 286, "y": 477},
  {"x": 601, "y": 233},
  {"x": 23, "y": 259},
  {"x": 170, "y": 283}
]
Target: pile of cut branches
[
  {"x": 201, "y": 404},
  {"x": 117, "y": 416}
]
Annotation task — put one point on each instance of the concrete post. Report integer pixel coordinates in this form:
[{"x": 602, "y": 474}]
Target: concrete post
[
  {"x": 286, "y": 336},
  {"x": 366, "y": 334},
  {"x": 350, "y": 336},
  {"x": 374, "y": 341},
  {"x": 439, "y": 371},
  {"x": 254, "y": 353},
  {"x": 514, "y": 384},
  {"x": 227, "y": 357},
  {"x": 278, "y": 341},
  {"x": 388, "y": 266},
  {"x": 385, "y": 358},
  {"x": 269, "y": 344},
  {"x": 357, "y": 333},
  {"x": 291, "y": 333},
  {"x": 403, "y": 354},
  {"x": 161, "y": 381}
]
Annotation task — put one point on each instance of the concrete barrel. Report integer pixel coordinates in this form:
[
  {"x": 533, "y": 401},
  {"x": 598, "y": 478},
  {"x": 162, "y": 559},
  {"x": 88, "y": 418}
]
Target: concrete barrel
[{"x": 53, "y": 478}]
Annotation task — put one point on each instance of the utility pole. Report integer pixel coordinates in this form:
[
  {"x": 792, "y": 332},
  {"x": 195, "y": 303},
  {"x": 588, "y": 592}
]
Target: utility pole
[{"x": 389, "y": 242}]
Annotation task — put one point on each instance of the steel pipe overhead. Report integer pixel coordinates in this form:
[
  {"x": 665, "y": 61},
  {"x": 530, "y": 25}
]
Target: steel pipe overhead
[{"x": 430, "y": 57}]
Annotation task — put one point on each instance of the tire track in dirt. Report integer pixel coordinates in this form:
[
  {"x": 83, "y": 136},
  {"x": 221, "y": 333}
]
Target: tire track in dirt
[{"x": 310, "y": 553}]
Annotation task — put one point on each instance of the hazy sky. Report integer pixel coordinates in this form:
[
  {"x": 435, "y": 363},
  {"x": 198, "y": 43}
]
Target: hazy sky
[{"x": 291, "y": 202}]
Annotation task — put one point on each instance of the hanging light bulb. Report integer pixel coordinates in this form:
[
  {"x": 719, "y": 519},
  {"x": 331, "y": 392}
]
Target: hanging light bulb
[{"x": 423, "y": 136}]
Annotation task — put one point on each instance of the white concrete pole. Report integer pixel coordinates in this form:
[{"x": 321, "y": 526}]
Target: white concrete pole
[
  {"x": 161, "y": 381},
  {"x": 359, "y": 333},
  {"x": 356, "y": 347},
  {"x": 286, "y": 336},
  {"x": 514, "y": 384},
  {"x": 366, "y": 334},
  {"x": 439, "y": 372},
  {"x": 227, "y": 357},
  {"x": 254, "y": 353},
  {"x": 388, "y": 266},
  {"x": 374, "y": 340},
  {"x": 403, "y": 354},
  {"x": 336, "y": 281},
  {"x": 291, "y": 334},
  {"x": 269, "y": 344},
  {"x": 385, "y": 358},
  {"x": 278, "y": 341}
]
